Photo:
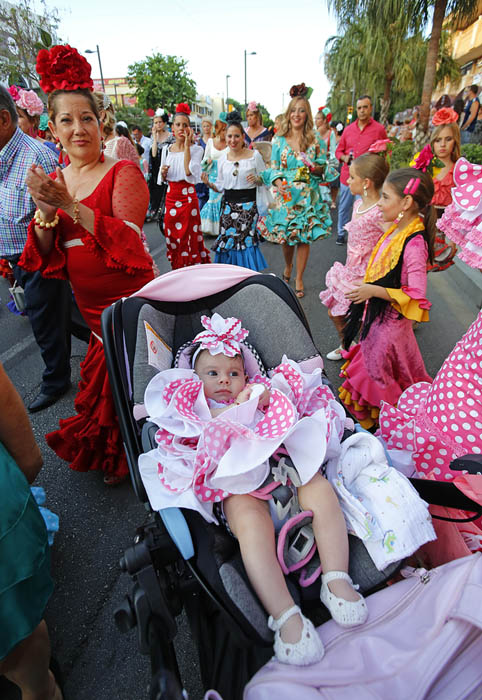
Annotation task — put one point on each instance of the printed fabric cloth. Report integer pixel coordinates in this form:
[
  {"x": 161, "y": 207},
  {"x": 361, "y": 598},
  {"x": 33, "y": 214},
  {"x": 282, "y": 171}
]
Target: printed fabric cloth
[{"x": 380, "y": 505}]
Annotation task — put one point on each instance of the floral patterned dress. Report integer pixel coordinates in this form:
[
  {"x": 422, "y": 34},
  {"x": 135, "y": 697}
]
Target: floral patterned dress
[{"x": 302, "y": 216}]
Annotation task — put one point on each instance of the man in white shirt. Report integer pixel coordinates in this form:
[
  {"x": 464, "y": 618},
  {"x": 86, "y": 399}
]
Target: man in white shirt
[{"x": 143, "y": 141}]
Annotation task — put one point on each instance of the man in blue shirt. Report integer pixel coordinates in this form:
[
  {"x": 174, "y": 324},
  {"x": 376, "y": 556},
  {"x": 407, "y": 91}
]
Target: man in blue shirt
[{"x": 47, "y": 301}]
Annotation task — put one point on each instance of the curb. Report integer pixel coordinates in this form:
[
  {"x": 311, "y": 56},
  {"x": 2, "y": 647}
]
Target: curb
[{"x": 468, "y": 279}]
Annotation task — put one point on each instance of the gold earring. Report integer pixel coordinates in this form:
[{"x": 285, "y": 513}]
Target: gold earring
[
  {"x": 399, "y": 217},
  {"x": 365, "y": 191}
]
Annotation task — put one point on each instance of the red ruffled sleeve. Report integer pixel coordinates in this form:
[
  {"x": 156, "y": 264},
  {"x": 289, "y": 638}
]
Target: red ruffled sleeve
[
  {"x": 119, "y": 203},
  {"x": 51, "y": 265}
]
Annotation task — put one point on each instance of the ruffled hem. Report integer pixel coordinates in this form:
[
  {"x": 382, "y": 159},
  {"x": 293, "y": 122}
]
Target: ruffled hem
[
  {"x": 339, "y": 280},
  {"x": 459, "y": 229},
  {"x": 365, "y": 414},
  {"x": 91, "y": 440},
  {"x": 359, "y": 387},
  {"x": 252, "y": 258}
]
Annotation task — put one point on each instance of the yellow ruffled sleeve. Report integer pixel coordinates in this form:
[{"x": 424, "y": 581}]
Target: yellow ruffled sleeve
[{"x": 414, "y": 309}]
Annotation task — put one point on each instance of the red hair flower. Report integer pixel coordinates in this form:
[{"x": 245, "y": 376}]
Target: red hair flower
[
  {"x": 446, "y": 115},
  {"x": 63, "y": 68},
  {"x": 298, "y": 90},
  {"x": 183, "y": 108},
  {"x": 13, "y": 90}
]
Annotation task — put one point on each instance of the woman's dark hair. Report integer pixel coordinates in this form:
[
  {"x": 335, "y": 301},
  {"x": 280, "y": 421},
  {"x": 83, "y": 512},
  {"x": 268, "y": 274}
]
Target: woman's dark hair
[
  {"x": 140, "y": 150},
  {"x": 121, "y": 130},
  {"x": 423, "y": 195},
  {"x": 234, "y": 119},
  {"x": 52, "y": 99}
]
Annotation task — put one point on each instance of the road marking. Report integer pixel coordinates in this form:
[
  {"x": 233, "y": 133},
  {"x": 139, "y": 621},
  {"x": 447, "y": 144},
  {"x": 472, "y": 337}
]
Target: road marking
[{"x": 16, "y": 349}]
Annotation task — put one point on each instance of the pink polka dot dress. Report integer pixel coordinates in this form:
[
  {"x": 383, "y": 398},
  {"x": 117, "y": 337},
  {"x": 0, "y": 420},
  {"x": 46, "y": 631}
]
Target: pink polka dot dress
[
  {"x": 441, "y": 421},
  {"x": 200, "y": 460}
]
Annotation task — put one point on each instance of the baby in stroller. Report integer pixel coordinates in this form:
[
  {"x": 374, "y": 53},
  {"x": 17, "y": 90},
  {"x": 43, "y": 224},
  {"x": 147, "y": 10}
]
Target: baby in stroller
[{"x": 220, "y": 421}]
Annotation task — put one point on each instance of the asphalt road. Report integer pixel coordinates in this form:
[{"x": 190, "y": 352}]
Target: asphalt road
[{"x": 97, "y": 523}]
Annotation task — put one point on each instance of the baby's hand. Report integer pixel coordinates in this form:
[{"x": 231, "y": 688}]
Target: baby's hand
[
  {"x": 244, "y": 395},
  {"x": 264, "y": 399}
]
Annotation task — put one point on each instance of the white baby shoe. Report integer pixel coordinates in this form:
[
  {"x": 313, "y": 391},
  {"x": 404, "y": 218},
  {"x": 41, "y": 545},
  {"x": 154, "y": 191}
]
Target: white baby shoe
[
  {"x": 308, "y": 650},
  {"x": 345, "y": 612},
  {"x": 335, "y": 354}
]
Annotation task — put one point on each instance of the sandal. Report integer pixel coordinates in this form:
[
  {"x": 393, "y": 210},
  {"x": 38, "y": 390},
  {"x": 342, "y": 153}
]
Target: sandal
[
  {"x": 308, "y": 650},
  {"x": 286, "y": 278},
  {"x": 300, "y": 293},
  {"x": 344, "y": 612}
]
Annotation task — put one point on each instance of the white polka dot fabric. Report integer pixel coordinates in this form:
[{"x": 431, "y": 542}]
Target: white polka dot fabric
[
  {"x": 443, "y": 420},
  {"x": 200, "y": 460}
]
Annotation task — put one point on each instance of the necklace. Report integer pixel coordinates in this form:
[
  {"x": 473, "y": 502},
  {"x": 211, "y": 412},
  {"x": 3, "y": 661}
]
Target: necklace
[{"x": 364, "y": 211}]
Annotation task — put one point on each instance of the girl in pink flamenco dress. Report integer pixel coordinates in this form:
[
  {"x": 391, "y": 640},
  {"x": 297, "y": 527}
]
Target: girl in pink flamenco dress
[
  {"x": 387, "y": 360},
  {"x": 216, "y": 435},
  {"x": 442, "y": 421},
  {"x": 367, "y": 175}
]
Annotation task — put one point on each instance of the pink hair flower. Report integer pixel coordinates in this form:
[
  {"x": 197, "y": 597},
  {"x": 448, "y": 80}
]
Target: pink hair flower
[
  {"x": 253, "y": 106},
  {"x": 30, "y": 102},
  {"x": 424, "y": 159},
  {"x": 222, "y": 335},
  {"x": 380, "y": 146}
]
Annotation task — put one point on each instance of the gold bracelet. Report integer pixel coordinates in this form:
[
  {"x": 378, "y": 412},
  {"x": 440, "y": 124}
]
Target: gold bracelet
[
  {"x": 41, "y": 223},
  {"x": 76, "y": 216}
]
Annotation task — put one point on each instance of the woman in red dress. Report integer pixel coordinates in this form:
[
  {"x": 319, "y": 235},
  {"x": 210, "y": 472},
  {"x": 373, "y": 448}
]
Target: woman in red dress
[
  {"x": 87, "y": 229},
  {"x": 181, "y": 169},
  {"x": 445, "y": 143}
]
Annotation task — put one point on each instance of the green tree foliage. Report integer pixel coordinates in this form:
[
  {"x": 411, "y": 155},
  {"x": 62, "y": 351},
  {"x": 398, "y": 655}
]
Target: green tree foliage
[
  {"x": 382, "y": 56},
  {"x": 161, "y": 81},
  {"x": 133, "y": 115},
  {"x": 419, "y": 15},
  {"x": 26, "y": 28}
]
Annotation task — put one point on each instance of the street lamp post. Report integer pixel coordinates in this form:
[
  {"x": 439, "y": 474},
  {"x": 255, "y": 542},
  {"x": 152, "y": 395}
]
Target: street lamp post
[
  {"x": 251, "y": 53},
  {"x": 100, "y": 64},
  {"x": 227, "y": 92}
]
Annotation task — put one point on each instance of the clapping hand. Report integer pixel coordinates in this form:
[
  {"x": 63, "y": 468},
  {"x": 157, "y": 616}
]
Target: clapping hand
[{"x": 49, "y": 195}]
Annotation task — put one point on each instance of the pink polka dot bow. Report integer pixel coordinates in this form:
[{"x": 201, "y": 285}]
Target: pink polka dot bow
[
  {"x": 222, "y": 335},
  {"x": 468, "y": 186}
]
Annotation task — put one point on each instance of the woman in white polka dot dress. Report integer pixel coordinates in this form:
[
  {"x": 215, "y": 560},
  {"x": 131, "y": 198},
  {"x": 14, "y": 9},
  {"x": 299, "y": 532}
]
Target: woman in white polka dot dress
[
  {"x": 441, "y": 421},
  {"x": 181, "y": 168}
]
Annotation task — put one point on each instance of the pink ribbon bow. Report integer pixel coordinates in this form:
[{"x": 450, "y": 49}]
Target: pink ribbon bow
[{"x": 222, "y": 335}]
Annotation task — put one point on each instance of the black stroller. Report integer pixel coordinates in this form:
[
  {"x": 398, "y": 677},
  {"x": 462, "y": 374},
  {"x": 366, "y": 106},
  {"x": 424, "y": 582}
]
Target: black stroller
[{"x": 178, "y": 561}]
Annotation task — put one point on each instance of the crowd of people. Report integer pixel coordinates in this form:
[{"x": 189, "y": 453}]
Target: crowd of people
[
  {"x": 466, "y": 105},
  {"x": 72, "y": 236}
]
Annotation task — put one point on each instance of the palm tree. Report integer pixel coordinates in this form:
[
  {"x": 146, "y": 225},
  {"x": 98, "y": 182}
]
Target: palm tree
[{"x": 416, "y": 14}]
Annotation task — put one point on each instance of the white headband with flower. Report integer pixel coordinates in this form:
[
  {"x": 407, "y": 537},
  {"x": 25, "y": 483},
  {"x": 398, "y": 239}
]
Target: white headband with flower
[{"x": 222, "y": 336}]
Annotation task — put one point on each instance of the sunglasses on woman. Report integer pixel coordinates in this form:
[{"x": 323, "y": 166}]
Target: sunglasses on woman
[{"x": 236, "y": 169}]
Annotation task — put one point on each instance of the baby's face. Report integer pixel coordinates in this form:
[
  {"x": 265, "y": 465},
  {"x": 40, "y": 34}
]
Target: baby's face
[{"x": 223, "y": 377}]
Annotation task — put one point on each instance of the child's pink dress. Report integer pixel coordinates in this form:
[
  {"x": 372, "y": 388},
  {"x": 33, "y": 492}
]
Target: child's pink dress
[
  {"x": 388, "y": 360},
  {"x": 363, "y": 232}
]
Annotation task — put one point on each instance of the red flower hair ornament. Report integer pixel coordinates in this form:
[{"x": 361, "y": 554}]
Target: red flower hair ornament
[
  {"x": 63, "y": 68},
  {"x": 446, "y": 115},
  {"x": 183, "y": 108}
]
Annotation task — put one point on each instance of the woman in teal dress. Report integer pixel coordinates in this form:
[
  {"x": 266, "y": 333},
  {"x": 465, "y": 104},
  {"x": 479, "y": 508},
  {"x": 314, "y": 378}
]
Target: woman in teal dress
[
  {"x": 25, "y": 581},
  {"x": 298, "y": 160}
]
